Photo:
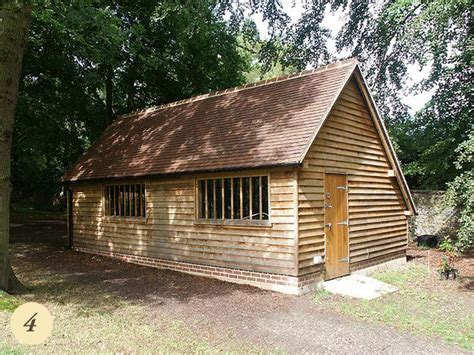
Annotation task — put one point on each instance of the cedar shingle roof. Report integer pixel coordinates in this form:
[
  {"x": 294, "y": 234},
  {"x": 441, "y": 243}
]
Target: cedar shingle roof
[{"x": 269, "y": 123}]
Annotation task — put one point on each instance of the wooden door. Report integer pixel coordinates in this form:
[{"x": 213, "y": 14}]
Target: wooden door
[{"x": 336, "y": 226}]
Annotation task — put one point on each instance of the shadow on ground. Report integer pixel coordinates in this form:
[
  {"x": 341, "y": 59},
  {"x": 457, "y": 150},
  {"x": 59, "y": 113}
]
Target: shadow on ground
[
  {"x": 220, "y": 312},
  {"x": 43, "y": 262}
]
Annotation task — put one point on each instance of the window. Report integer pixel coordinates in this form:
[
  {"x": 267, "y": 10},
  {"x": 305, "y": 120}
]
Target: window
[
  {"x": 237, "y": 198},
  {"x": 125, "y": 200}
]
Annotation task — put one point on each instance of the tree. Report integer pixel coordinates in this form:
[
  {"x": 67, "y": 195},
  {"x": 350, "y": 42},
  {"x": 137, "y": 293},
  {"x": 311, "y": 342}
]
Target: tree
[
  {"x": 88, "y": 62},
  {"x": 436, "y": 35},
  {"x": 14, "y": 22},
  {"x": 460, "y": 193},
  {"x": 250, "y": 46},
  {"x": 387, "y": 37}
]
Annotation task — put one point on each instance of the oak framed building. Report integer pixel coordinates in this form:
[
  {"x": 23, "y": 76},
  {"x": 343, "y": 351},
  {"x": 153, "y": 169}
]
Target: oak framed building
[{"x": 278, "y": 184}]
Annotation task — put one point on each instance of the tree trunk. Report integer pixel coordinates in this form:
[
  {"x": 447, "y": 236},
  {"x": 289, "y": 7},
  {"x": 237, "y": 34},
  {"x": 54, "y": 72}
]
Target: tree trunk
[
  {"x": 14, "y": 23},
  {"x": 109, "y": 96},
  {"x": 130, "y": 85}
]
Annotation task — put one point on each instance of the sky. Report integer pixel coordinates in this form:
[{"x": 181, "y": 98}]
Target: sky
[{"x": 334, "y": 22}]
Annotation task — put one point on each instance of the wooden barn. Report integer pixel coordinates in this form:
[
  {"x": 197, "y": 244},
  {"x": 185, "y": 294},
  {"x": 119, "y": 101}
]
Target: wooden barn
[{"x": 278, "y": 184}]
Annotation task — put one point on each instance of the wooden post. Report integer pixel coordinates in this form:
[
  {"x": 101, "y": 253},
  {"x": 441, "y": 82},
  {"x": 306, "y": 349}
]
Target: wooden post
[
  {"x": 206, "y": 216},
  {"x": 214, "y": 201},
  {"x": 260, "y": 196},
  {"x": 296, "y": 221},
  {"x": 222, "y": 199},
  {"x": 241, "y": 199},
  {"x": 69, "y": 217},
  {"x": 250, "y": 198},
  {"x": 231, "y": 198}
]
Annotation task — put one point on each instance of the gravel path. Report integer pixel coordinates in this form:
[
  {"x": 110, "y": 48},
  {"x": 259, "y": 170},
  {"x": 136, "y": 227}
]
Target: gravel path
[{"x": 219, "y": 311}]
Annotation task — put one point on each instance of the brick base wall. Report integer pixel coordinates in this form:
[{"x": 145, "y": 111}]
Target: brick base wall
[
  {"x": 295, "y": 285},
  {"x": 282, "y": 283}
]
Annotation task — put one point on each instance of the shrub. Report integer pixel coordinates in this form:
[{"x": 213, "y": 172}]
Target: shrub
[
  {"x": 447, "y": 245},
  {"x": 460, "y": 194}
]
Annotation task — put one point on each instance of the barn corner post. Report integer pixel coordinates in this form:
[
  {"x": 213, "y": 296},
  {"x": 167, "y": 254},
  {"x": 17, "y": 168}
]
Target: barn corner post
[
  {"x": 14, "y": 22},
  {"x": 69, "y": 216}
]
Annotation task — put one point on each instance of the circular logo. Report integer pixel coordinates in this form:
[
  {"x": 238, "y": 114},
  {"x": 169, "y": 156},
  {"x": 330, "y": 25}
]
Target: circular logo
[{"x": 31, "y": 323}]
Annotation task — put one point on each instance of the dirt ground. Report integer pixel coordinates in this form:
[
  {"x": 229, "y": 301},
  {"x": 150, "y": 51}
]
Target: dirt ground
[
  {"x": 433, "y": 257},
  {"x": 101, "y": 304}
]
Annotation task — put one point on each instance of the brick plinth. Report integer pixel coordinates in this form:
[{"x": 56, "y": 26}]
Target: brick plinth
[
  {"x": 276, "y": 282},
  {"x": 295, "y": 285},
  {"x": 372, "y": 263}
]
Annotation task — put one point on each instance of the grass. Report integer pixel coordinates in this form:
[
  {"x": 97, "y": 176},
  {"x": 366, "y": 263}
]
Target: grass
[
  {"x": 417, "y": 308},
  {"x": 413, "y": 275},
  {"x": 125, "y": 331},
  {"x": 321, "y": 295},
  {"x": 8, "y": 303},
  {"x": 7, "y": 350},
  {"x": 121, "y": 327}
]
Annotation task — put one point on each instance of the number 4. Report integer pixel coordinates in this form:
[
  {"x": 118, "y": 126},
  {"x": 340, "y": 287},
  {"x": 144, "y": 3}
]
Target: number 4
[{"x": 31, "y": 323}]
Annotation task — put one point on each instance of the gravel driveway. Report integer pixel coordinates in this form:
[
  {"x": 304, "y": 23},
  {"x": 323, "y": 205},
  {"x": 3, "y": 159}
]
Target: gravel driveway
[{"x": 218, "y": 311}]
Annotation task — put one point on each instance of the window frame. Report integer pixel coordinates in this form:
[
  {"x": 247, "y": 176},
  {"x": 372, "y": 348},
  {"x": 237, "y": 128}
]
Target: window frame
[
  {"x": 225, "y": 222},
  {"x": 143, "y": 218}
]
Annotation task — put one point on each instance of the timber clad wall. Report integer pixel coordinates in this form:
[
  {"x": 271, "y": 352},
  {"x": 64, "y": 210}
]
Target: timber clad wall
[
  {"x": 348, "y": 143},
  {"x": 170, "y": 231}
]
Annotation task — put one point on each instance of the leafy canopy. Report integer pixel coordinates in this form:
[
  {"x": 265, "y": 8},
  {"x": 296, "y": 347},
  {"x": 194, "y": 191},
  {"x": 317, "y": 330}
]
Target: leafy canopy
[
  {"x": 87, "y": 63},
  {"x": 90, "y": 61},
  {"x": 460, "y": 193}
]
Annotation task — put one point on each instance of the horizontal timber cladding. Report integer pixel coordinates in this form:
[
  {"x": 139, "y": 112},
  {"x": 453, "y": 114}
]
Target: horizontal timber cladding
[
  {"x": 348, "y": 143},
  {"x": 171, "y": 232}
]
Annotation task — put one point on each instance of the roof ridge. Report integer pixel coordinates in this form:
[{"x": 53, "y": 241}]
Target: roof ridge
[{"x": 334, "y": 65}]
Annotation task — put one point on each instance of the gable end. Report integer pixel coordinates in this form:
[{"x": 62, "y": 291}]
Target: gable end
[{"x": 357, "y": 78}]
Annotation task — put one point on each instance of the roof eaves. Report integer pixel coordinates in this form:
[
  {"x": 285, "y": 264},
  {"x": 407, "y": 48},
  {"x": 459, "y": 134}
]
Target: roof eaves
[{"x": 289, "y": 165}]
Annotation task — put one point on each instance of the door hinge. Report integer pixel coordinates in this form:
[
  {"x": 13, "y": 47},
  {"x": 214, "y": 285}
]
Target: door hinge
[
  {"x": 343, "y": 260},
  {"x": 343, "y": 223},
  {"x": 327, "y": 205}
]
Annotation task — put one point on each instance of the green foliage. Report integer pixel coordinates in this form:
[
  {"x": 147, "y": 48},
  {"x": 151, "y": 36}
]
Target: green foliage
[
  {"x": 8, "y": 350},
  {"x": 8, "y": 303},
  {"x": 250, "y": 47},
  {"x": 288, "y": 46},
  {"x": 307, "y": 39},
  {"x": 460, "y": 194},
  {"x": 445, "y": 267},
  {"x": 429, "y": 141},
  {"x": 417, "y": 307},
  {"x": 402, "y": 277},
  {"x": 320, "y": 295},
  {"x": 387, "y": 37},
  {"x": 435, "y": 35},
  {"x": 87, "y": 62},
  {"x": 447, "y": 245},
  {"x": 393, "y": 34}
]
